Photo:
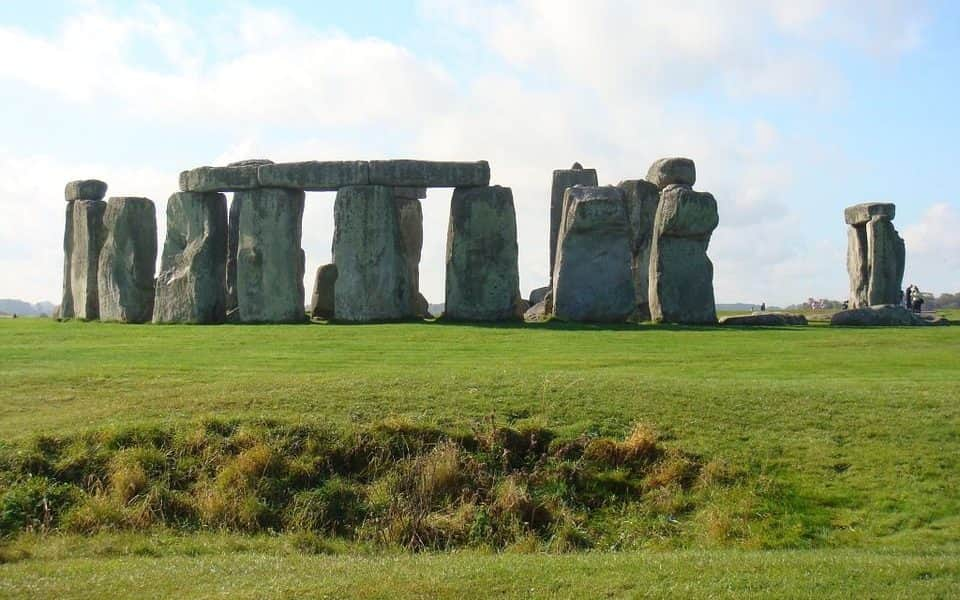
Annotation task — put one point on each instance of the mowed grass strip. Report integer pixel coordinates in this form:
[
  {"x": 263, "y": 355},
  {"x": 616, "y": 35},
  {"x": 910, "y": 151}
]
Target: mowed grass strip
[{"x": 231, "y": 567}]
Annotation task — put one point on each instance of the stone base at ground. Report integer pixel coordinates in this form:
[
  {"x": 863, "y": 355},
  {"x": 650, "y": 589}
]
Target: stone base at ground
[
  {"x": 881, "y": 315},
  {"x": 483, "y": 281},
  {"x": 191, "y": 286},
  {"x": 269, "y": 257},
  {"x": 764, "y": 319},
  {"x": 373, "y": 278}
]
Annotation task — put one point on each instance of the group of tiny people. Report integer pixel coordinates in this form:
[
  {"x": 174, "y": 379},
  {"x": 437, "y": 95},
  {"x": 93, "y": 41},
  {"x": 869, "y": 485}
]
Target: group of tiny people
[{"x": 912, "y": 298}]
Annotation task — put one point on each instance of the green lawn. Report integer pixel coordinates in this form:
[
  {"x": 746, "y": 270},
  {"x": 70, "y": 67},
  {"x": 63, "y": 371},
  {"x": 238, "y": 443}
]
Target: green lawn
[{"x": 859, "y": 429}]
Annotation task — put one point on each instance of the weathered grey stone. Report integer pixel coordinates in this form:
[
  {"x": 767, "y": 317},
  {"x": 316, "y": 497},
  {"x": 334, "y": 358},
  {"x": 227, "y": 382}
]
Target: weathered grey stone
[
  {"x": 270, "y": 261},
  {"x": 128, "y": 260},
  {"x": 66, "y": 299},
  {"x": 642, "y": 199},
  {"x": 82, "y": 246},
  {"x": 251, "y": 162},
  {"x": 592, "y": 279},
  {"x": 220, "y": 179},
  {"x": 861, "y": 214},
  {"x": 410, "y": 216},
  {"x": 373, "y": 278},
  {"x": 315, "y": 176},
  {"x": 681, "y": 274},
  {"x": 875, "y": 255},
  {"x": 422, "y": 308},
  {"x": 537, "y": 295},
  {"x": 418, "y": 193},
  {"x": 885, "y": 261},
  {"x": 426, "y": 173},
  {"x": 321, "y": 303},
  {"x": 85, "y": 189},
  {"x": 563, "y": 179},
  {"x": 858, "y": 266},
  {"x": 233, "y": 239},
  {"x": 766, "y": 319},
  {"x": 670, "y": 171},
  {"x": 537, "y": 312},
  {"x": 877, "y": 315},
  {"x": 191, "y": 286},
  {"x": 483, "y": 279}
]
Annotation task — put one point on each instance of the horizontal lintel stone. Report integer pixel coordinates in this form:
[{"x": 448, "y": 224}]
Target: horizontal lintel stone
[
  {"x": 860, "y": 214},
  {"x": 85, "y": 189},
  {"x": 219, "y": 179},
  {"x": 426, "y": 173},
  {"x": 314, "y": 176}
]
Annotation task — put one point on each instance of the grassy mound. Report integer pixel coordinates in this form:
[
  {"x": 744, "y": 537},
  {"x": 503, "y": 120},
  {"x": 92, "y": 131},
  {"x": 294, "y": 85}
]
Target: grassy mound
[{"x": 394, "y": 483}]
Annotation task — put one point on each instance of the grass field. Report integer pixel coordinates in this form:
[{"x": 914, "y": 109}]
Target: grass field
[{"x": 857, "y": 431}]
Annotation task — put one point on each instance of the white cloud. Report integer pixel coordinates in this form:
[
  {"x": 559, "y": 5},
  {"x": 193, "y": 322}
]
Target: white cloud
[
  {"x": 613, "y": 85},
  {"x": 933, "y": 248}
]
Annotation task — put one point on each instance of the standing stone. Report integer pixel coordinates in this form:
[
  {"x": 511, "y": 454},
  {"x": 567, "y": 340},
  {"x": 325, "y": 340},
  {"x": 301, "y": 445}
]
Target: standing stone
[
  {"x": 642, "y": 199},
  {"x": 373, "y": 277},
  {"x": 233, "y": 238},
  {"x": 270, "y": 261},
  {"x": 483, "y": 279},
  {"x": 681, "y": 274},
  {"x": 875, "y": 254},
  {"x": 410, "y": 215},
  {"x": 592, "y": 280},
  {"x": 322, "y": 301},
  {"x": 672, "y": 171},
  {"x": 563, "y": 179},
  {"x": 85, "y": 189},
  {"x": 82, "y": 251},
  {"x": 128, "y": 261},
  {"x": 191, "y": 286}
]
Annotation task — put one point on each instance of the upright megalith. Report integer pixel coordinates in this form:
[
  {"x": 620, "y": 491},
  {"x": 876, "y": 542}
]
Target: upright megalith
[
  {"x": 642, "y": 198},
  {"x": 672, "y": 171},
  {"x": 483, "y": 280},
  {"x": 592, "y": 279},
  {"x": 373, "y": 278},
  {"x": 89, "y": 190},
  {"x": 191, "y": 286},
  {"x": 876, "y": 254},
  {"x": 269, "y": 259},
  {"x": 681, "y": 274},
  {"x": 128, "y": 260},
  {"x": 410, "y": 218},
  {"x": 84, "y": 235},
  {"x": 321, "y": 302},
  {"x": 563, "y": 179}
]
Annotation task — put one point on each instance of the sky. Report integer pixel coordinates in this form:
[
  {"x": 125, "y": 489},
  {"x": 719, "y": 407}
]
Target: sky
[{"x": 791, "y": 110}]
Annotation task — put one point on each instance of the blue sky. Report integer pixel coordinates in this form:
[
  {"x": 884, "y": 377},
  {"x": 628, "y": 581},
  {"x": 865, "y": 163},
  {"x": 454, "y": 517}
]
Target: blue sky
[{"x": 791, "y": 110}]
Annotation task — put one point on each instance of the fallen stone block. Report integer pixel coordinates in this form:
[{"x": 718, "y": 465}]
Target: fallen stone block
[
  {"x": 483, "y": 280},
  {"x": 191, "y": 286},
  {"x": 885, "y": 315},
  {"x": 767, "y": 319},
  {"x": 426, "y": 173},
  {"x": 128, "y": 260}
]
